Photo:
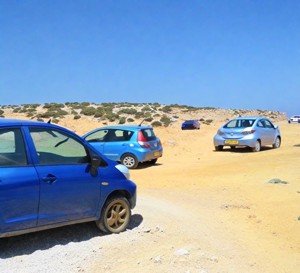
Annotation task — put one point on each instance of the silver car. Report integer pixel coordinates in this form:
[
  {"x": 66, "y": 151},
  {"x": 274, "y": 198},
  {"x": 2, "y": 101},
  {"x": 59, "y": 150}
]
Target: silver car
[{"x": 253, "y": 132}]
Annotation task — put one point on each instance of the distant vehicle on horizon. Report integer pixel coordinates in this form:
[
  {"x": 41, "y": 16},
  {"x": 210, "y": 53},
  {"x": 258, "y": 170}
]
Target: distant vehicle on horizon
[
  {"x": 190, "y": 125},
  {"x": 295, "y": 118}
]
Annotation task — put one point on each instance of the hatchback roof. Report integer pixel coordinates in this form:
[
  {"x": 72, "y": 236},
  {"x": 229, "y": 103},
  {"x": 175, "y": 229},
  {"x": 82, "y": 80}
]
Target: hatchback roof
[
  {"x": 249, "y": 117},
  {"x": 128, "y": 127}
]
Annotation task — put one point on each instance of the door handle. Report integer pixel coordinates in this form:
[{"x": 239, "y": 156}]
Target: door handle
[{"x": 50, "y": 179}]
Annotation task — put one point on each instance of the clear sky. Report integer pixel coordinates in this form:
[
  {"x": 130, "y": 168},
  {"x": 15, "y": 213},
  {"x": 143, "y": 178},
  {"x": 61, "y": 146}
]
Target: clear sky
[{"x": 241, "y": 54}]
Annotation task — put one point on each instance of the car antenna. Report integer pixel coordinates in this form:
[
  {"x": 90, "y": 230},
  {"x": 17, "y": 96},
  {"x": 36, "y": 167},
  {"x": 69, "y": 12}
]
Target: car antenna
[{"x": 141, "y": 122}]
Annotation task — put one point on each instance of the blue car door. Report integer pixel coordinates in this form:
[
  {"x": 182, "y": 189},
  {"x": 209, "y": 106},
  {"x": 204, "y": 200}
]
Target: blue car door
[
  {"x": 115, "y": 144},
  {"x": 19, "y": 183},
  {"x": 68, "y": 191},
  {"x": 97, "y": 139}
]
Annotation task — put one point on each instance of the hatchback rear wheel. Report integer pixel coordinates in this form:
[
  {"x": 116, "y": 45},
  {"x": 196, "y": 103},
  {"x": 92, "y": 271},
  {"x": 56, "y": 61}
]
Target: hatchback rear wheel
[
  {"x": 219, "y": 148},
  {"x": 130, "y": 161},
  {"x": 153, "y": 161}
]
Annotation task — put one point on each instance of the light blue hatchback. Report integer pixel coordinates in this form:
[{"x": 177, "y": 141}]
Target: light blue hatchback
[
  {"x": 253, "y": 131},
  {"x": 128, "y": 144}
]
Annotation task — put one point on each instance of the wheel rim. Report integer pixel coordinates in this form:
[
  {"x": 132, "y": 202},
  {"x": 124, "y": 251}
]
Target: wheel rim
[
  {"x": 129, "y": 161},
  {"x": 117, "y": 216},
  {"x": 277, "y": 143},
  {"x": 257, "y": 146}
]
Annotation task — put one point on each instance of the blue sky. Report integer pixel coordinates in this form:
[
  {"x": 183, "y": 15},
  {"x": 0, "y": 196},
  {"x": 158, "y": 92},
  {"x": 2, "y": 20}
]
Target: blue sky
[{"x": 241, "y": 54}]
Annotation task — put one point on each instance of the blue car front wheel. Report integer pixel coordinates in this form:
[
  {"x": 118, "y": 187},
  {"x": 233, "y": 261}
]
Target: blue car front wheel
[{"x": 115, "y": 216}]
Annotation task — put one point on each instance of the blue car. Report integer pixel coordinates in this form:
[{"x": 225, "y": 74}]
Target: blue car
[
  {"x": 51, "y": 177},
  {"x": 253, "y": 132},
  {"x": 190, "y": 125},
  {"x": 127, "y": 144}
]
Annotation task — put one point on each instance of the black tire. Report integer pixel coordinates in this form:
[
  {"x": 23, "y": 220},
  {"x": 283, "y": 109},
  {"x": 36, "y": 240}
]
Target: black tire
[
  {"x": 130, "y": 161},
  {"x": 277, "y": 143},
  {"x": 153, "y": 161},
  {"x": 257, "y": 146},
  {"x": 115, "y": 215},
  {"x": 219, "y": 148}
]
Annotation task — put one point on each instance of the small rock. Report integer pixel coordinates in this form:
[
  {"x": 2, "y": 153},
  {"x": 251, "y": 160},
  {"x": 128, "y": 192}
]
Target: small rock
[
  {"x": 181, "y": 252},
  {"x": 277, "y": 181},
  {"x": 157, "y": 259}
]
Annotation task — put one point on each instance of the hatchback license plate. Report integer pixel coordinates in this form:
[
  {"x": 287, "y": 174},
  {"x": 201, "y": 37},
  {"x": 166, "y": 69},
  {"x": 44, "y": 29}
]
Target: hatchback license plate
[{"x": 232, "y": 142}]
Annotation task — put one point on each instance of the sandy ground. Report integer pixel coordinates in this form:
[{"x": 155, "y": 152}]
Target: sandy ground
[
  {"x": 216, "y": 210},
  {"x": 197, "y": 211}
]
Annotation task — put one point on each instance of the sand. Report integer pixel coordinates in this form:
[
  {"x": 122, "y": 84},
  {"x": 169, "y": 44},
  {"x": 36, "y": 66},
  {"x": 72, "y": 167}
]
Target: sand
[{"x": 204, "y": 211}]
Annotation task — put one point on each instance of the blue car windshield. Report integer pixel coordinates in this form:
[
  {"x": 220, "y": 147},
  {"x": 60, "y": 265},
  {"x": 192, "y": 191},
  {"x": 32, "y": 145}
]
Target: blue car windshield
[{"x": 239, "y": 123}]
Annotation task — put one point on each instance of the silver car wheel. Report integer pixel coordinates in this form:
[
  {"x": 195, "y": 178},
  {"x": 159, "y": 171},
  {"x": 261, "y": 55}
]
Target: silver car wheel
[
  {"x": 277, "y": 143},
  {"x": 256, "y": 148}
]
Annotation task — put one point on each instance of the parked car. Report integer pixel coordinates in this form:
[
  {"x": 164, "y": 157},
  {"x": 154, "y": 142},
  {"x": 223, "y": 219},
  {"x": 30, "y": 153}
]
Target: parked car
[
  {"x": 190, "y": 125},
  {"x": 253, "y": 132},
  {"x": 50, "y": 177},
  {"x": 295, "y": 118},
  {"x": 128, "y": 144}
]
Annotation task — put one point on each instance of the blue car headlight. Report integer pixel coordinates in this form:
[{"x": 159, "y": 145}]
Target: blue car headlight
[{"x": 124, "y": 170}]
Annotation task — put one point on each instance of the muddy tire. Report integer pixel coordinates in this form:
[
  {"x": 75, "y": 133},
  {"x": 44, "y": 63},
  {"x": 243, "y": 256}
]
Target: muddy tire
[{"x": 115, "y": 215}]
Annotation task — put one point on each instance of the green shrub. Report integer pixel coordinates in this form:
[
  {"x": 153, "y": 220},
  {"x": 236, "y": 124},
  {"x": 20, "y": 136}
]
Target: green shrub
[
  {"x": 148, "y": 119},
  {"x": 165, "y": 120},
  {"x": 156, "y": 124},
  {"x": 130, "y": 120},
  {"x": 122, "y": 120},
  {"x": 128, "y": 111},
  {"x": 166, "y": 109},
  {"x": 111, "y": 116},
  {"x": 88, "y": 111},
  {"x": 77, "y": 117}
]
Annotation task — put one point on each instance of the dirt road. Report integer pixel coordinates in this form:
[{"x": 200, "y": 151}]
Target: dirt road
[{"x": 198, "y": 211}]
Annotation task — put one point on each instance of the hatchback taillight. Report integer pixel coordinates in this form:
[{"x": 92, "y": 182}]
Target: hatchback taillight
[
  {"x": 220, "y": 133},
  {"x": 142, "y": 140}
]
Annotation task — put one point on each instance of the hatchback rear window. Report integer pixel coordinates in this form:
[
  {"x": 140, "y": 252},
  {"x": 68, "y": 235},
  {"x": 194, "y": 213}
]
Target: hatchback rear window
[
  {"x": 149, "y": 134},
  {"x": 239, "y": 123}
]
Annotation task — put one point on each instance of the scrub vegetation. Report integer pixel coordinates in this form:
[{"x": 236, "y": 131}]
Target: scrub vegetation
[{"x": 154, "y": 114}]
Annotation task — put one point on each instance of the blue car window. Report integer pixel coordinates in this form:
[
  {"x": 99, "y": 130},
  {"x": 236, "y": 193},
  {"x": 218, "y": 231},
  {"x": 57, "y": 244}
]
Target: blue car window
[
  {"x": 118, "y": 135},
  {"x": 98, "y": 136},
  {"x": 149, "y": 134},
  {"x": 54, "y": 147},
  {"x": 12, "y": 148}
]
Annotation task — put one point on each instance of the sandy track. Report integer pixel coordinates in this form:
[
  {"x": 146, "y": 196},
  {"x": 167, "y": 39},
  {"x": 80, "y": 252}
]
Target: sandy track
[{"x": 197, "y": 211}]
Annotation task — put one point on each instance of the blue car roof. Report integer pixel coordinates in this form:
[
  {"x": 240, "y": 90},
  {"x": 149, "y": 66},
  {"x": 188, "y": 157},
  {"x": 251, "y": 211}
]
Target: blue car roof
[
  {"x": 128, "y": 127},
  {"x": 20, "y": 122}
]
